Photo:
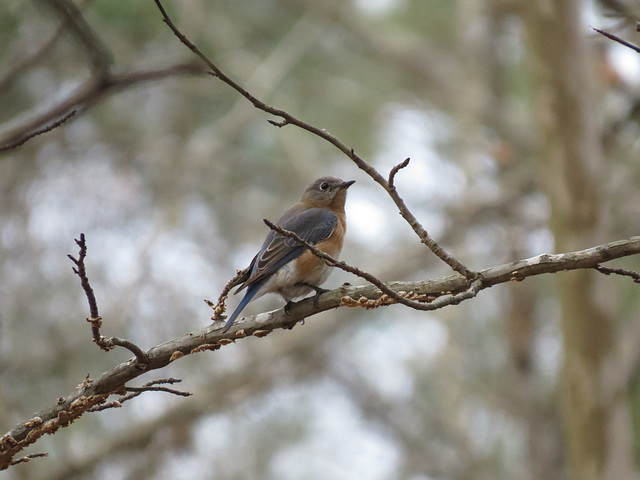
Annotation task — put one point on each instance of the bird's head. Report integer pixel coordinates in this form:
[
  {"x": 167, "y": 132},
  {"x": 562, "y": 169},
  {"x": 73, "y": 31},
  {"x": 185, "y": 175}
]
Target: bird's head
[{"x": 327, "y": 192}]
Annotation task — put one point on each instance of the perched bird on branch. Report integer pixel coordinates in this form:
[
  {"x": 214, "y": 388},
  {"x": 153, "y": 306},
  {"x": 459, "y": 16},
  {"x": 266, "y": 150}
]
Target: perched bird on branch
[{"x": 286, "y": 267}]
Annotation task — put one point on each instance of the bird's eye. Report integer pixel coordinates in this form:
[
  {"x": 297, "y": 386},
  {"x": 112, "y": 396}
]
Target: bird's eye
[{"x": 324, "y": 186}]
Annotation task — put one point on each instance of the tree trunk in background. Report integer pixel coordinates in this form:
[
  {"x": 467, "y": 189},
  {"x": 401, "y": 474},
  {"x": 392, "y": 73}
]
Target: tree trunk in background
[
  {"x": 598, "y": 441},
  {"x": 544, "y": 457}
]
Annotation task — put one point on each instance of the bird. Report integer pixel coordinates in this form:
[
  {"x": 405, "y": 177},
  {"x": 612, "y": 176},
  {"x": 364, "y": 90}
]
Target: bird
[{"x": 284, "y": 266}]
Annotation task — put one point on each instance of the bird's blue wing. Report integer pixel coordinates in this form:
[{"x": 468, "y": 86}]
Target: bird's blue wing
[{"x": 313, "y": 225}]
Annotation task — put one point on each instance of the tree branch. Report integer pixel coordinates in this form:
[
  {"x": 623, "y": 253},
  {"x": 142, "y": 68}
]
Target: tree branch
[
  {"x": 96, "y": 392},
  {"x": 618, "y": 271},
  {"x": 102, "y": 82},
  {"x": 28, "y": 458},
  {"x": 432, "y": 302},
  {"x": 21, "y": 141},
  {"x": 151, "y": 386},
  {"x": 288, "y": 119},
  {"x": 85, "y": 96},
  {"x": 220, "y": 307},
  {"x": 95, "y": 320},
  {"x": 616, "y": 38}
]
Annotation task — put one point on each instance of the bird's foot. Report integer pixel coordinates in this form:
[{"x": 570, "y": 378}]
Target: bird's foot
[
  {"x": 287, "y": 307},
  {"x": 319, "y": 291},
  {"x": 287, "y": 312}
]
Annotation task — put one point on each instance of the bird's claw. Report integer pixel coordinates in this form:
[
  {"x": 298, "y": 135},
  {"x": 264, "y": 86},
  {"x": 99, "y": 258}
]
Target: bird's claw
[
  {"x": 287, "y": 308},
  {"x": 319, "y": 291}
]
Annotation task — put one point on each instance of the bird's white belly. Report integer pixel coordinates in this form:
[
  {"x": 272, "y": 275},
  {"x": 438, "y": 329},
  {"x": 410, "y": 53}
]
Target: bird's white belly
[{"x": 285, "y": 281}]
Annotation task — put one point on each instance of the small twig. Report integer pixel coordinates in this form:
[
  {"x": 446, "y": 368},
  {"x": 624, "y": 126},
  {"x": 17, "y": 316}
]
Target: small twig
[
  {"x": 163, "y": 381},
  {"x": 422, "y": 233},
  {"x": 616, "y": 38},
  {"x": 107, "y": 344},
  {"x": 394, "y": 171},
  {"x": 26, "y": 138},
  {"x": 81, "y": 271},
  {"x": 95, "y": 320},
  {"x": 220, "y": 307},
  {"x": 618, "y": 271},
  {"x": 474, "y": 287},
  {"x": 139, "y": 390},
  {"x": 28, "y": 458},
  {"x": 136, "y": 391},
  {"x": 288, "y": 119}
]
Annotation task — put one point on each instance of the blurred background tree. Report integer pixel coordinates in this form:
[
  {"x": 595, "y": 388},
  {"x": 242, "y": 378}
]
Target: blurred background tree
[{"x": 522, "y": 127}]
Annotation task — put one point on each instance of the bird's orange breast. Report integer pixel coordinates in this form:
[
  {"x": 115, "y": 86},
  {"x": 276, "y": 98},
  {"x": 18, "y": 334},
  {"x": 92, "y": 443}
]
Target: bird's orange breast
[{"x": 310, "y": 268}]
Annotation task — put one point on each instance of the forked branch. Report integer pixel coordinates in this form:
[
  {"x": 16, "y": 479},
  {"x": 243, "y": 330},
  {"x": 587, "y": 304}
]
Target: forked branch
[{"x": 95, "y": 319}]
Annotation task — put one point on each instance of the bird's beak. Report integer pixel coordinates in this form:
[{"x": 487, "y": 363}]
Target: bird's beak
[{"x": 345, "y": 185}]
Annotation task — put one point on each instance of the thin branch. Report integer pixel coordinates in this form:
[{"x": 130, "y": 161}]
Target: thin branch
[
  {"x": 618, "y": 271},
  {"x": 111, "y": 342},
  {"x": 90, "y": 93},
  {"x": 81, "y": 271},
  {"x": 99, "y": 57},
  {"x": 220, "y": 307},
  {"x": 153, "y": 383},
  {"x": 288, "y": 119},
  {"x": 151, "y": 386},
  {"x": 420, "y": 230},
  {"x": 433, "y": 303},
  {"x": 138, "y": 390},
  {"x": 95, "y": 320},
  {"x": 616, "y": 38},
  {"x": 28, "y": 458},
  {"x": 26, "y": 138}
]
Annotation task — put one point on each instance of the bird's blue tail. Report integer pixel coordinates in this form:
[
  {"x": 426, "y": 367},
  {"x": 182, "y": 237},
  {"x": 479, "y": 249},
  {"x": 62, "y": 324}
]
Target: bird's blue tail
[{"x": 251, "y": 292}]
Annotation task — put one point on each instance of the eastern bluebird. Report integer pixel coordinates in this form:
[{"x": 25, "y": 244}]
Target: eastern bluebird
[{"x": 285, "y": 267}]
